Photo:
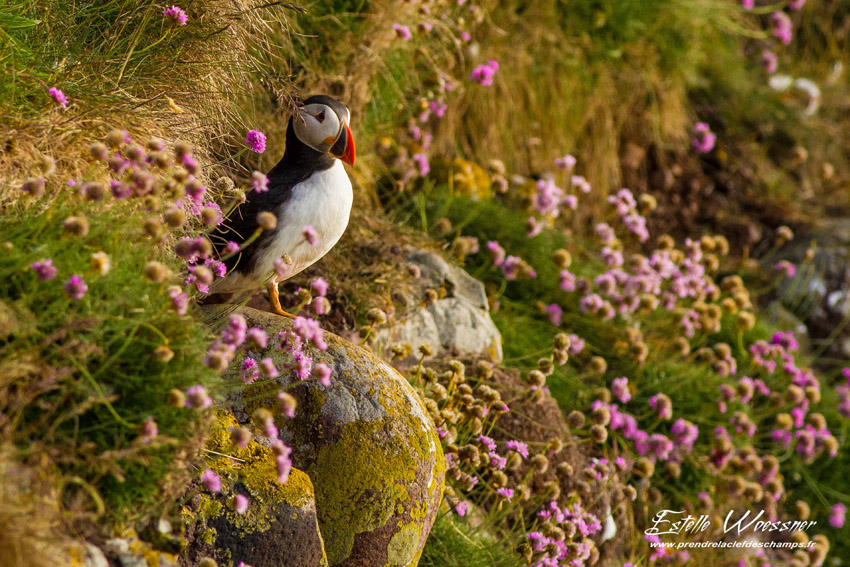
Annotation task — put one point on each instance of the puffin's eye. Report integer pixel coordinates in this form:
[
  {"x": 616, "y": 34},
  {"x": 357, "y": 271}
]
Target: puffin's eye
[{"x": 321, "y": 117}]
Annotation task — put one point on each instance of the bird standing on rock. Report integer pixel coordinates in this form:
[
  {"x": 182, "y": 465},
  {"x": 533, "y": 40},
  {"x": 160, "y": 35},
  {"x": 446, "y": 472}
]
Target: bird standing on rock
[{"x": 308, "y": 189}]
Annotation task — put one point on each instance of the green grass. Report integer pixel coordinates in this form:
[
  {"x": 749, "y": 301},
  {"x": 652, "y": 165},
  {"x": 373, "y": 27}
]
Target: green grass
[
  {"x": 81, "y": 376},
  {"x": 454, "y": 542}
]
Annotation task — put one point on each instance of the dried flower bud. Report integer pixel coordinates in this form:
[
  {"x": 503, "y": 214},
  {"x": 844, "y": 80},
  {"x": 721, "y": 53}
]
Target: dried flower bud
[
  {"x": 598, "y": 433},
  {"x": 540, "y": 463},
  {"x": 99, "y": 151},
  {"x": 376, "y": 316},
  {"x": 562, "y": 341},
  {"x": 562, "y": 258},
  {"x": 115, "y": 138},
  {"x": 240, "y": 436},
  {"x": 783, "y": 235},
  {"x": 576, "y": 419},
  {"x": 630, "y": 492},
  {"x": 266, "y": 220},
  {"x": 174, "y": 217},
  {"x": 207, "y": 562},
  {"x": 431, "y": 296},
  {"x": 34, "y": 186},
  {"x": 182, "y": 148},
  {"x": 601, "y": 416},
  {"x": 163, "y": 353},
  {"x": 154, "y": 228},
  {"x": 536, "y": 378},
  {"x": 643, "y": 467},
  {"x": 156, "y": 272},
  {"x": 598, "y": 365},
  {"x": 426, "y": 350},
  {"x": 76, "y": 225},
  {"x": 176, "y": 398}
]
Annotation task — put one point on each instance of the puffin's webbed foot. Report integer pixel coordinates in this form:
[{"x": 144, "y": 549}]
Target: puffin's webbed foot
[{"x": 274, "y": 298}]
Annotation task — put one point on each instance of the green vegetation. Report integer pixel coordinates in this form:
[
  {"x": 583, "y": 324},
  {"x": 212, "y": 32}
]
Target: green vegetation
[{"x": 442, "y": 158}]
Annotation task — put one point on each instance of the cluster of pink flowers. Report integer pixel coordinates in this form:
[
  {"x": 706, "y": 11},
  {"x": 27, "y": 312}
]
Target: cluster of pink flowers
[
  {"x": 483, "y": 74},
  {"x": 58, "y": 96},
  {"x": 256, "y": 141},
  {"x": 176, "y": 15},
  {"x": 403, "y": 32}
]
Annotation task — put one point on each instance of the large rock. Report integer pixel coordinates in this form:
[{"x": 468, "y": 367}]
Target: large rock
[
  {"x": 367, "y": 444},
  {"x": 818, "y": 294},
  {"x": 280, "y": 527},
  {"x": 458, "y": 323}
]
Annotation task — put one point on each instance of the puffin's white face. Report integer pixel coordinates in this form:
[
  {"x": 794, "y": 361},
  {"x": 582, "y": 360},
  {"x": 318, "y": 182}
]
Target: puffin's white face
[{"x": 319, "y": 127}]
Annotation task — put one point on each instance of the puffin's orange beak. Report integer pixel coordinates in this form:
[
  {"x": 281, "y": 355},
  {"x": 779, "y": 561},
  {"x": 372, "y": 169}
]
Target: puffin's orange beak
[{"x": 347, "y": 153}]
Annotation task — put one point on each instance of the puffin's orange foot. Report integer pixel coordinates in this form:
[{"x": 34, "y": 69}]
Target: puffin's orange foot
[{"x": 274, "y": 298}]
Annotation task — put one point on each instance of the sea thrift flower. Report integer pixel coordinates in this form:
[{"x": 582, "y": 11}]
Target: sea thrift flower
[
  {"x": 211, "y": 480},
  {"x": 58, "y": 96},
  {"x": 519, "y": 447},
  {"x": 768, "y": 61},
  {"x": 402, "y": 32},
  {"x": 497, "y": 253},
  {"x": 461, "y": 508},
  {"x": 322, "y": 372},
  {"x": 268, "y": 367},
  {"x": 555, "y": 314},
  {"x": 782, "y": 27},
  {"x": 836, "y": 518},
  {"x": 704, "y": 139},
  {"x": 483, "y": 74},
  {"x": 786, "y": 268},
  {"x": 620, "y": 388},
  {"x": 176, "y": 15},
  {"x": 421, "y": 163},
  {"x": 319, "y": 286},
  {"x": 748, "y": 4},
  {"x": 149, "y": 430},
  {"x": 258, "y": 337},
  {"x": 240, "y": 504},
  {"x": 197, "y": 397},
  {"x": 662, "y": 404},
  {"x": 310, "y": 330},
  {"x": 796, "y": 4},
  {"x": 235, "y": 331},
  {"x": 179, "y": 300},
  {"x": 76, "y": 287},
  {"x": 567, "y": 162},
  {"x": 44, "y": 269},
  {"x": 506, "y": 493},
  {"x": 311, "y": 235},
  {"x": 260, "y": 182},
  {"x": 256, "y": 141}
]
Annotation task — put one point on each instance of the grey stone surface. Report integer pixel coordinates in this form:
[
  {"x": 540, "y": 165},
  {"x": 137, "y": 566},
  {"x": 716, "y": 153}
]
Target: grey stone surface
[{"x": 458, "y": 323}]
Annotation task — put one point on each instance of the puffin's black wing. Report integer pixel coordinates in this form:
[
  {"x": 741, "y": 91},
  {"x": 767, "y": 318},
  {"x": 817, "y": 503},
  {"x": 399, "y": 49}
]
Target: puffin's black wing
[{"x": 242, "y": 222}]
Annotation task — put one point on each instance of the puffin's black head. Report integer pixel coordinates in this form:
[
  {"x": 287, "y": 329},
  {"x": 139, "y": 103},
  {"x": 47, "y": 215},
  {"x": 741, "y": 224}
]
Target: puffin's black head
[{"x": 321, "y": 123}]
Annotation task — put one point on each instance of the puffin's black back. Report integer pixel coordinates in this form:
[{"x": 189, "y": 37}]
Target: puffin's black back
[{"x": 298, "y": 163}]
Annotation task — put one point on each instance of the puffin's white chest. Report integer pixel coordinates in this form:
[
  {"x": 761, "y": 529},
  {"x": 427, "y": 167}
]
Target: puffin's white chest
[{"x": 322, "y": 201}]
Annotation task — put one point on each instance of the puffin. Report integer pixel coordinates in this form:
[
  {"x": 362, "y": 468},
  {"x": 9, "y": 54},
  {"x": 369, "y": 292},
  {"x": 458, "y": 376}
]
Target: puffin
[{"x": 308, "y": 187}]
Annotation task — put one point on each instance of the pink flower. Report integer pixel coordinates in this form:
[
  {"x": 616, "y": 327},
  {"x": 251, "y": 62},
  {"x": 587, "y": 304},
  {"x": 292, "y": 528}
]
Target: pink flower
[
  {"x": 704, "y": 139},
  {"x": 836, "y": 518},
  {"x": 796, "y": 4},
  {"x": 260, "y": 182},
  {"x": 786, "y": 268},
  {"x": 256, "y": 141},
  {"x": 782, "y": 27},
  {"x": 506, "y": 493},
  {"x": 197, "y": 397},
  {"x": 211, "y": 480},
  {"x": 519, "y": 447},
  {"x": 567, "y": 162},
  {"x": 258, "y": 337},
  {"x": 421, "y": 163},
  {"x": 319, "y": 286},
  {"x": 268, "y": 367},
  {"x": 76, "y": 287},
  {"x": 768, "y": 61},
  {"x": 44, "y": 269},
  {"x": 620, "y": 388},
  {"x": 748, "y": 4},
  {"x": 461, "y": 508},
  {"x": 58, "y": 96},
  {"x": 240, "y": 504},
  {"x": 402, "y": 32},
  {"x": 322, "y": 372},
  {"x": 555, "y": 313},
  {"x": 176, "y": 15},
  {"x": 483, "y": 74},
  {"x": 149, "y": 430},
  {"x": 497, "y": 253},
  {"x": 311, "y": 235}
]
